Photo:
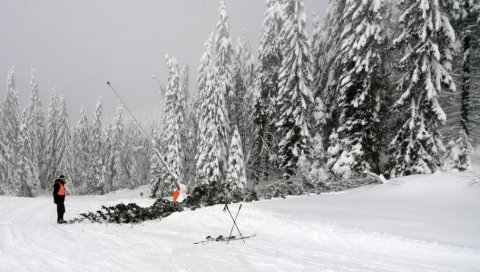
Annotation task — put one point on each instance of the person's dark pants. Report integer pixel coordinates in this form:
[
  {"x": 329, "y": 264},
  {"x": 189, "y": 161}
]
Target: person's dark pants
[{"x": 60, "y": 210}]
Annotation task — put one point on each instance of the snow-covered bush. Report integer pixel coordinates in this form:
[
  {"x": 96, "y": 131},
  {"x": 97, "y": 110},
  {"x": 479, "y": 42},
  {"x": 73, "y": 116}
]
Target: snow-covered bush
[{"x": 459, "y": 153}]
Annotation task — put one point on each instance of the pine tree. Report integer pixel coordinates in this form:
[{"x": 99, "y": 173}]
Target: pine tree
[
  {"x": 362, "y": 61},
  {"x": 189, "y": 129},
  {"x": 115, "y": 171},
  {"x": 240, "y": 109},
  {"x": 27, "y": 169},
  {"x": 263, "y": 155},
  {"x": 246, "y": 65},
  {"x": 34, "y": 120},
  {"x": 459, "y": 152},
  {"x": 80, "y": 151},
  {"x": 466, "y": 17},
  {"x": 236, "y": 175},
  {"x": 51, "y": 138},
  {"x": 96, "y": 175},
  {"x": 10, "y": 131},
  {"x": 294, "y": 87},
  {"x": 224, "y": 54},
  {"x": 465, "y": 14},
  {"x": 156, "y": 168},
  {"x": 204, "y": 81},
  {"x": 326, "y": 47},
  {"x": 214, "y": 83},
  {"x": 136, "y": 161},
  {"x": 63, "y": 160},
  {"x": 174, "y": 119},
  {"x": 428, "y": 40},
  {"x": 223, "y": 95}
]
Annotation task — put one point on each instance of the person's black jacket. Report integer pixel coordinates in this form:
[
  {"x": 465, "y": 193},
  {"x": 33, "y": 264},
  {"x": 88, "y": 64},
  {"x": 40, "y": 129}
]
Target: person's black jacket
[{"x": 56, "y": 187}]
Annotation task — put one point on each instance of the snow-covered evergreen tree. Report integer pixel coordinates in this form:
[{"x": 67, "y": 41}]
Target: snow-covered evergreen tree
[
  {"x": 156, "y": 168},
  {"x": 294, "y": 87},
  {"x": 115, "y": 171},
  {"x": 63, "y": 160},
  {"x": 246, "y": 64},
  {"x": 211, "y": 159},
  {"x": 465, "y": 14},
  {"x": 362, "y": 57},
  {"x": 34, "y": 119},
  {"x": 80, "y": 151},
  {"x": 96, "y": 173},
  {"x": 9, "y": 145},
  {"x": 263, "y": 157},
  {"x": 189, "y": 129},
  {"x": 136, "y": 160},
  {"x": 174, "y": 118},
  {"x": 27, "y": 169},
  {"x": 326, "y": 46},
  {"x": 224, "y": 54},
  {"x": 466, "y": 17},
  {"x": 240, "y": 110},
  {"x": 428, "y": 40},
  {"x": 459, "y": 152},
  {"x": 236, "y": 174},
  {"x": 205, "y": 76},
  {"x": 51, "y": 146}
]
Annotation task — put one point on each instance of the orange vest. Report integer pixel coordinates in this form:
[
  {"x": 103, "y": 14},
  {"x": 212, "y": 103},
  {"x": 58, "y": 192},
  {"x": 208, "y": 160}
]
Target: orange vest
[{"x": 61, "y": 191}]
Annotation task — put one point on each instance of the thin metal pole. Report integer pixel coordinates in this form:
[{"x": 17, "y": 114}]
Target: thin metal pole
[
  {"x": 157, "y": 152},
  {"x": 234, "y": 222},
  {"x": 231, "y": 230}
]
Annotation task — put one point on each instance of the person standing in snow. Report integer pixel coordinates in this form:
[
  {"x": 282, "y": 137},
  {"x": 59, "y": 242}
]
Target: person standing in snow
[{"x": 59, "y": 192}]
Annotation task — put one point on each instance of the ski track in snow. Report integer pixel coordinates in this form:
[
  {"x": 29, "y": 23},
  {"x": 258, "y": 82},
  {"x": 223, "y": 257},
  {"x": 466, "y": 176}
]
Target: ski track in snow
[{"x": 404, "y": 225}]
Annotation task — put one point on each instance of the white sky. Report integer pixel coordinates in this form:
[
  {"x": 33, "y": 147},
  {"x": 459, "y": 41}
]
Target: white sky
[{"x": 78, "y": 45}]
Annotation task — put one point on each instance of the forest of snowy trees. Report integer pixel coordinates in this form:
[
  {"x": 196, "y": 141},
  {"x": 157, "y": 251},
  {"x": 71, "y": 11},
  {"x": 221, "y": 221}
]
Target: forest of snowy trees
[{"x": 380, "y": 86}]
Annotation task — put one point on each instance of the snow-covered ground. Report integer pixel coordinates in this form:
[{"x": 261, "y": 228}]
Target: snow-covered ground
[{"x": 417, "y": 223}]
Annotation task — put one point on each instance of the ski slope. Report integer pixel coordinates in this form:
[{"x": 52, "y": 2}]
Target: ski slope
[{"x": 417, "y": 223}]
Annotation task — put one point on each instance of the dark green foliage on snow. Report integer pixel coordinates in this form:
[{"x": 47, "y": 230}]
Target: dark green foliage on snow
[
  {"x": 131, "y": 213},
  {"x": 214, "y": 194}
]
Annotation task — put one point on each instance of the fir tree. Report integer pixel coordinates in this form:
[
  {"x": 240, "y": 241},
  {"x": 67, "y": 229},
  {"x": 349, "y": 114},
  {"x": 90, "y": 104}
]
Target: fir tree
[
  {"x": 294, "y": 87},
  {"x": 465, "y": 14},
  {"x": 214, "y": 127},
  {"x": 95, "y": 175},
  {"x": 224, "y": 54},
  {"x": 326, "y": 66},
  {"x": 63, "y": 160},
  {"x": 263, "y": 155},
  {"x": 236, "y": 175},
  {"x": 80, "y": 151},
  {"x": 240, "y": 109},
  {"x": 224, "y": 94},
  {"x": 115, "y": 171},
  {"x": 459, "y": 152},
  {"x": 27, "y": 169},
  {"x": 362, "y": 61},
  {"x": 428, "y": 40},
  {"x": 156, "y": 168},
  {"x": 204, "y": 80},
  {"x": 10, "y": 147},
  {"x": 34, "y": 119},
  {"x": 51, "y": 138},
  {"x": 174, "y": 118}
]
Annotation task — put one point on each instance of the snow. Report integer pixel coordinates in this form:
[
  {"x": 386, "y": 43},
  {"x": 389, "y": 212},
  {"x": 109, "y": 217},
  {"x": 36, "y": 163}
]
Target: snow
[{"x": 416, "y": 223}]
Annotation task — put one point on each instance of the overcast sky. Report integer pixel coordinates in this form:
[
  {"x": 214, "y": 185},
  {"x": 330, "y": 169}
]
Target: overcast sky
[{"x": 78, "y": 45}]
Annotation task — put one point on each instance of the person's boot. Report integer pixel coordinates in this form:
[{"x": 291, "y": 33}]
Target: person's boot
[{"x": 61, "y": 221}]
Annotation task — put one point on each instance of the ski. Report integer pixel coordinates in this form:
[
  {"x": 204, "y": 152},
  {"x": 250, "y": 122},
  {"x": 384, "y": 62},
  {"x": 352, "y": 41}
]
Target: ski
[{"x": 221, "y": 238}]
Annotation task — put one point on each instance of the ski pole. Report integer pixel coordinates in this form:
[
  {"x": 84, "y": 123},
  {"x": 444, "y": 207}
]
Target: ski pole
[
  {"x": 157, "y": 152},
  {"x": 231, "y": 230},
  {"x": 234, "y": 223}
]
